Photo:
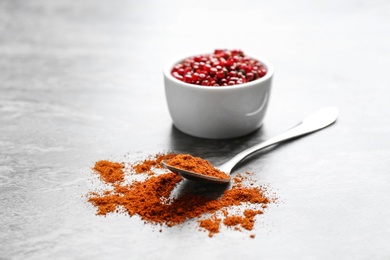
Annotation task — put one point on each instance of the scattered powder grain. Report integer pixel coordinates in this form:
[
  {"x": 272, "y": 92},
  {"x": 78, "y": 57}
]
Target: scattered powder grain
[
  {"x": 110, "y": 172},
  {"x": 211, "y": 224}
]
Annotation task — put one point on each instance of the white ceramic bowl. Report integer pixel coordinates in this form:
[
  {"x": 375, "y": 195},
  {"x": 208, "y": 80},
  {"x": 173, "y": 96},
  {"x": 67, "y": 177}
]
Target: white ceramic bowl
[{"x": 217, "y": 112}]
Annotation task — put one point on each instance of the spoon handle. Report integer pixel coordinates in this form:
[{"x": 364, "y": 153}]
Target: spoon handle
[{"x": 314, "y": 122}]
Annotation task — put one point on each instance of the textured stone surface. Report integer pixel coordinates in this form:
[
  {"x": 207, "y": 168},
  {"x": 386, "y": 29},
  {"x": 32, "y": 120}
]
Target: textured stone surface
[{"x": 82, "y": 81}]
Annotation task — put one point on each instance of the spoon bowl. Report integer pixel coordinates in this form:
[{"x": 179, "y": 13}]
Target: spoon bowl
[
  {"x": 193, "y": 175},
  {"x": 312, "y": 123}
]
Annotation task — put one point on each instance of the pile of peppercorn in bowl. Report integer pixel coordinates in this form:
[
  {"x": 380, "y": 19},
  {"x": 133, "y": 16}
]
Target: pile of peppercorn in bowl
[{"x": 224, "y": 94}]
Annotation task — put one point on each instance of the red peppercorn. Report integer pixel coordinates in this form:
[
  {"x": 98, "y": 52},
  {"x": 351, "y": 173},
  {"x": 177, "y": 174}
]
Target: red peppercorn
[
  {"x": 221, "y": 68},
  {"x": 213, "y": 71},
  {"x": 206, "y": 67},
  {"x": 177, "y": 75},
  {"x": 220, "y": 74},
  {"x": 250, "y": 76}
]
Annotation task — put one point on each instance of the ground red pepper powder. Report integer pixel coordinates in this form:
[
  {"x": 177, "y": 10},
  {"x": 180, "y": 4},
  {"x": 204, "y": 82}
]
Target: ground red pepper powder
[
  {"x": 110, "y": 172},
  {"x": 152, "y": 199},
  {"x": 153, "y": 161},
  {"x": 195, "y": 164},
  {"x": 211, "y": 224}
]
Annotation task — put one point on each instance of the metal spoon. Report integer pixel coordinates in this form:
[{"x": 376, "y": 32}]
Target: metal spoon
[{"x": 314, "y": 122}]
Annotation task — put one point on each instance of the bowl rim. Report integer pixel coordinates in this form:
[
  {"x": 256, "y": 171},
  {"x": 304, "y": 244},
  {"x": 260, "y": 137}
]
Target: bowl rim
[{"x": 171, "y": 63}]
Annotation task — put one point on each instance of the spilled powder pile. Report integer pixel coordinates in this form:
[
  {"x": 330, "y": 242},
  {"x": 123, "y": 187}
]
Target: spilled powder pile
[
  {"x": 152, "y": 162},
  {"x": 196, "y": 164},
  {"x": 152, "y": 199},
  {"x": 110, "y": 172}
]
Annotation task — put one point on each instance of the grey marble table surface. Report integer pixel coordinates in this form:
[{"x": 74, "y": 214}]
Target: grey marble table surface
[{"x": 81, "y": 81}]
